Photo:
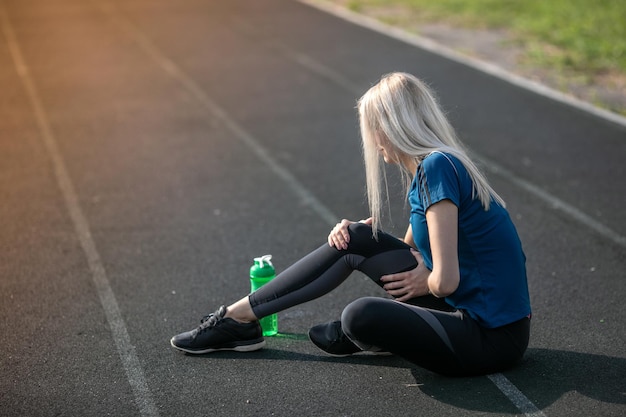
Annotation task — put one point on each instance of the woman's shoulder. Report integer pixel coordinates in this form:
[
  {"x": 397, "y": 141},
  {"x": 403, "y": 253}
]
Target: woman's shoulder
[{"x": 438, "y": 160}]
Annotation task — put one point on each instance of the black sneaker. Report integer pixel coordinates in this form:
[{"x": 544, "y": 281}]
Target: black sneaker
[
  {"x": 218, "y": 333},
  {"x": 331, "y": 339}
]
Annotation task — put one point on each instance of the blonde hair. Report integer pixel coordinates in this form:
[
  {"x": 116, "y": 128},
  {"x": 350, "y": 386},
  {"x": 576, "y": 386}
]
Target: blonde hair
[{"x": 402, "y": 111}]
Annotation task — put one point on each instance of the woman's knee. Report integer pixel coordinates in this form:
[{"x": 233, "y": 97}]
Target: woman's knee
[
  {"x": 359, "y": 318},
  {"x": 360, "y": 231},
  {"x": 362, "y": 240}
]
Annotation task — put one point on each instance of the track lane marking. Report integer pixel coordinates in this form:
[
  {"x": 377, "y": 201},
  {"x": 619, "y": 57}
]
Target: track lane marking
[
  {"x": 449, "y": 53},
  {"x": 119, "y": 332},
  {"x": 554, "y": 202},
  {"x": 515, "y": 396},
  {"x": 549, "y": 200},
  {"x": 496, "y": 169},
  {"x": 306, "y": 197}
]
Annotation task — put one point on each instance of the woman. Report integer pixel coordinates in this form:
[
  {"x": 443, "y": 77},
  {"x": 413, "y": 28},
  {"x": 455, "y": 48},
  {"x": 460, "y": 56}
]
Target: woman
[{"x": 461, "y": 304}]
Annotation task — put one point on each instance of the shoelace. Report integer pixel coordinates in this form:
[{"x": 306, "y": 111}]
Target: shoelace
[{"x": 211, "y": 320}]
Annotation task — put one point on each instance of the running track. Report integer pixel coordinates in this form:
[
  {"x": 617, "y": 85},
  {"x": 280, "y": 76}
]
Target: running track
[{"x": 150, "y": 149}]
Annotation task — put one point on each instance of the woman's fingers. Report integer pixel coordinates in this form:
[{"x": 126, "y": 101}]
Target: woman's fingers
[
  {"x": 397, "y": 290},
  {"x": 339, "y": 241},
  {"x": 406, "y": 285},
  {"x": 405, "y": 297},
  {"x": 393, "y": 281},
  {"x": 343, "y": 231},
  {"x": 339, "y": 237}
]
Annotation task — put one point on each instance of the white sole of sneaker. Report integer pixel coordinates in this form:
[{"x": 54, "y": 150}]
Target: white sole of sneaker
[{"x": 242, "y": 348}]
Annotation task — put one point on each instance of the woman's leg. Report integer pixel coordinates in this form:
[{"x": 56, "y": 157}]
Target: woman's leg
[
  {"x": 236, "y": 328},
  {"x": 327, "y": 267},
  {"x": 449, "y": 343}
]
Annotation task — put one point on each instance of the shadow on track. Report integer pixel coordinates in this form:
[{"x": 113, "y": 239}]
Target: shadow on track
[
  {"x": 544, "y": 376},
  {"x": 279, "y": 350}
]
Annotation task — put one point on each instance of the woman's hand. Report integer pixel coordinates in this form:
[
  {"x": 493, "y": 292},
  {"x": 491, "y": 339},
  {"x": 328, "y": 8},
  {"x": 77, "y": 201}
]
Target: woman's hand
[
  {"x": 410, "y": 284},
  {"x": 339, "y": 237}
]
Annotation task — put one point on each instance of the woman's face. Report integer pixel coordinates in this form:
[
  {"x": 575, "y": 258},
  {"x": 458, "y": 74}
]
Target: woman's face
[
  {"x": 392, "y": 155},
  {"x": 385, "y": 149}
]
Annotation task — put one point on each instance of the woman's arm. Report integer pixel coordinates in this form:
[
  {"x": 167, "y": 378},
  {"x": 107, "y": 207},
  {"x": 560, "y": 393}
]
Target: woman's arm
[
  {"x": 443, "y": 223},
  {"x": 443, "y": 280},
  {"x": 408, "y": 237}
]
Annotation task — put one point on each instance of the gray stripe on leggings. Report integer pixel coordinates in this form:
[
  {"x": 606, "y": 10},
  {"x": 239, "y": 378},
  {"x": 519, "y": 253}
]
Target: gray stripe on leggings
[{"x": 432, "y": 321}]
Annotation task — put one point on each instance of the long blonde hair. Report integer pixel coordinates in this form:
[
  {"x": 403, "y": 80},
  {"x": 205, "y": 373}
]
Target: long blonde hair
[{"x": 401, "y": 110}]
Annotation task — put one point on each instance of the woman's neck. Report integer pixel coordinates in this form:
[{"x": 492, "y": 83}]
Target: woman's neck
[{"x": 410, "y": 164}]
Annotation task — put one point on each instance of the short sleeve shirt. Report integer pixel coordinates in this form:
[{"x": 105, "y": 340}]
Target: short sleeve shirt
[{"x": 493, "y": 287}]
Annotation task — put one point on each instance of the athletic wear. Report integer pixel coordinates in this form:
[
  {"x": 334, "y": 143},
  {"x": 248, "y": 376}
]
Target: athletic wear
[
  {"x": 449, "y": 343},
  {"x": 219, "y": 333},
  {"x": 427, "y": 331},
  {"x": 325, "y": 268},
  {"x": 493, "y": 288},
  {"x": 483, "y": 327}
]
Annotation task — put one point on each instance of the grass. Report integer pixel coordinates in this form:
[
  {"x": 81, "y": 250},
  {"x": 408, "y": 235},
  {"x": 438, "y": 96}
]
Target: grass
[{"x": 582, "y": 36}]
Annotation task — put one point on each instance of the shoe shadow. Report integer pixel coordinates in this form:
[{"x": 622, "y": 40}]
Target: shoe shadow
[
  {"x": 288, "y": 347},
  {"x": 544, "y": 376}
]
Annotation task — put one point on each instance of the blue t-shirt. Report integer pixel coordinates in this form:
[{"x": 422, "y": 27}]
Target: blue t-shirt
[{"x": 493, "y": 288}]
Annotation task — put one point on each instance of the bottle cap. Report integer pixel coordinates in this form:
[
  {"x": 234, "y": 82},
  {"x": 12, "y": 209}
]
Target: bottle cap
[{"x": 262, "y": 267}]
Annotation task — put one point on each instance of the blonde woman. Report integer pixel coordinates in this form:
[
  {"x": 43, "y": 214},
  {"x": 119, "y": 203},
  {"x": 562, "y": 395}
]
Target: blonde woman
[{"x": 459, "y": 296}]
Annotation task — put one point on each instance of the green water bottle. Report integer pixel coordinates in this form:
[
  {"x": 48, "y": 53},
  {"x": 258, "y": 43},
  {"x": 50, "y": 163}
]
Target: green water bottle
[{"x": 261, "y": 273}]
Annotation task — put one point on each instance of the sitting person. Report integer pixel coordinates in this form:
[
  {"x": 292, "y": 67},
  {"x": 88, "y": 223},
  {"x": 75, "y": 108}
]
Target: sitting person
[{"x": 458, "y": 278}]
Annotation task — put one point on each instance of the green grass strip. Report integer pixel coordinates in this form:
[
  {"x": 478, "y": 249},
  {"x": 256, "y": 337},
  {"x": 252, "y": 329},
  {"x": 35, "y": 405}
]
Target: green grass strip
[{"x": 580, "y": 35}]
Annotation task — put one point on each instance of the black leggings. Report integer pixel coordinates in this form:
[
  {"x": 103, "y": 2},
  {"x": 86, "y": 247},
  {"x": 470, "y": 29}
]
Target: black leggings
[{"x": 425, "y": 331}]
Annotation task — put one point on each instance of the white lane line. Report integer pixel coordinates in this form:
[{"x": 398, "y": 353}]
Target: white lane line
[
  {"x": 126, "y": 350},
  {"x": 442, "y": 50},
  {"x": 515, "y": 396},
  {"x": 307, "y": 198},
  {"x": 555, "y": 203}
]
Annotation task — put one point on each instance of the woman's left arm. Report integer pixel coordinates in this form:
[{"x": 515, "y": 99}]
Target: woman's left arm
[
  {"x": 443, "y": 223},
  {"x": 443, "y": 280},
  {"x": 408, "y": 237}
]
